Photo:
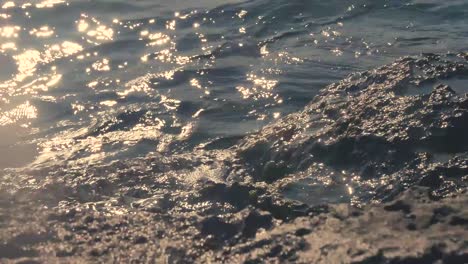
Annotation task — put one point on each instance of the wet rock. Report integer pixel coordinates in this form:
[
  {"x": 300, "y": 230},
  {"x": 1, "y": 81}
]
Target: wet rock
[
  {"x": 441, "y": 213},
  {"x": 11, "y": 251},
  {"x": 281, "y": 209},
  {"x": 215, "y": 226},
  {"x": 273, "y": 171},
  {"x": 374, "y": 125},
  {"x": 383, "y": 248},
  {"x": 457, "y": 220},
  {"x": 392, "y": 141},
  {"x": 256, "y": 220},
  {"x": 141, "y": 240},
  {"x": 302, "y": 232},
  {"x": 65, "y": 252},
  {"x": 236, "y": 194},
  {"x": 398, "y": 206}
]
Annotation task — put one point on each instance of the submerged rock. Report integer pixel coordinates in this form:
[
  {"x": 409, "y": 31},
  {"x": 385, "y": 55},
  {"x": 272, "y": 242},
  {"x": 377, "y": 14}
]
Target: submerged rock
[{"x": 373, "y": 170}]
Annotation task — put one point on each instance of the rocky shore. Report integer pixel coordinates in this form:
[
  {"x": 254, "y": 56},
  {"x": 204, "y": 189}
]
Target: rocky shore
[{"x": 393, "y": 142}]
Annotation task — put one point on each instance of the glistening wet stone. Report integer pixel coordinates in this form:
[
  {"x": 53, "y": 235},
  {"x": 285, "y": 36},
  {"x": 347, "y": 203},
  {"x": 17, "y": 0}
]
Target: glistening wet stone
[{"x": 399, "y": 159}]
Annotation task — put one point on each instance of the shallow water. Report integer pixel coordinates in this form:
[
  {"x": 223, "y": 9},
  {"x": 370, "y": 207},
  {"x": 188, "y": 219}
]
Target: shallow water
[{"x": 90, "y": 82}]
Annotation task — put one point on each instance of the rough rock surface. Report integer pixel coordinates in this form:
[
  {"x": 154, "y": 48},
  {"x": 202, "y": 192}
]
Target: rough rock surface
[{"x": 392, "y": 142}]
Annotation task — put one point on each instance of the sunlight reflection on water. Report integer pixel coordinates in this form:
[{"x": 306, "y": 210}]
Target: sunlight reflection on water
[{"x": 84, "y": 82}]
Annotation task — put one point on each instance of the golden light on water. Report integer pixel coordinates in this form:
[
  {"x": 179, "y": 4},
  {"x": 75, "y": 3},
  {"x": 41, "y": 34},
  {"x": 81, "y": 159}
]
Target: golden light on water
[
  {"x": 158, "y": 39},
  {"x": 22, "y": 112},
  {"x": 82, "y": 25},
  {"x": 49, "y": 3},
  {"x": 27, "y": 62},
  {"x": 101, "y": 33},
  {"x": 94, "y": 30},
  {"x": 197, "y": 114},
  {"x": 29, "y": 59},
  {"x": 54, "y": 80},
  {"x": 44, "y": 72},
  {"x": 101, "y": 65},
  {"x": 69, "y": 48},
  {"x": 170, "y": 103},
  {"x": 264, "y": 83},
  {"x": 195, "y": 83},
  {"x": 171, "y": 25},
  {"x": 337, "y": 52},
  {"x": 242, "y": 14},
  {"x": 8, "y": 46},
  {"x": 9, "y": 31},
  {"x": 261, "y": 87},
  {"x": 8, "y": 4},
  {"x": 264, "y": 51},
  {"x": 42, "y": 32},
  {"x": 109, "y": 103}
]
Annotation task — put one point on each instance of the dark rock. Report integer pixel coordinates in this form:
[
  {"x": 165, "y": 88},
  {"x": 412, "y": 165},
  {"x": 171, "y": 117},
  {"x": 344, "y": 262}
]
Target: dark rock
[
  {"x": 256, "y": 220},
  {"x": 399, "y": 206},
  {"x": 457, "y": 220},
  {"x": 216, "y": 227},
  {"x": 141, "y": 240},
  {"x": 302, "y": 232},
  {"x": 11, "y": 251}
]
